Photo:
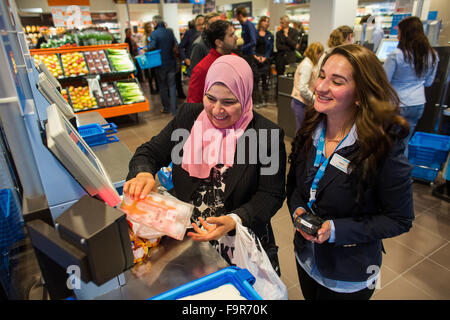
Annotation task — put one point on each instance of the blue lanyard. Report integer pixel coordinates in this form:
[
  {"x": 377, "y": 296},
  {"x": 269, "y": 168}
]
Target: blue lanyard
[{"x": 322, "y": 165}]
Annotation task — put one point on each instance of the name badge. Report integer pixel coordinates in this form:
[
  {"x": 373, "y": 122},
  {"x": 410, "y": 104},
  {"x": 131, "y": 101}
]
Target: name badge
[{"x": 340, "y": 162}]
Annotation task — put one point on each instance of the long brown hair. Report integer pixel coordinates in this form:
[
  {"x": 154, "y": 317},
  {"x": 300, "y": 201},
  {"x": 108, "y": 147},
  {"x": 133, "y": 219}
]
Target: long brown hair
[
  {"x": 339, "y": 35},
  {"x": 378, "y": 121},
  {"x": 415, "y": 45}
]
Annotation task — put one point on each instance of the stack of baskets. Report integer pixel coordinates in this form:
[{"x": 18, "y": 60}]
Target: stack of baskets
[{"x": 427, "y": 152}]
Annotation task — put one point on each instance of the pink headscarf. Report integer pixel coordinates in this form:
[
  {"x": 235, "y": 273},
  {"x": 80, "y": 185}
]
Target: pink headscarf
[{"x": 208, "y": 145}]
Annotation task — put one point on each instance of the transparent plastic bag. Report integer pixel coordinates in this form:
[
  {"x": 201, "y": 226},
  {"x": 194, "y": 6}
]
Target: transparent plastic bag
[{"x": 166, "y": 215}]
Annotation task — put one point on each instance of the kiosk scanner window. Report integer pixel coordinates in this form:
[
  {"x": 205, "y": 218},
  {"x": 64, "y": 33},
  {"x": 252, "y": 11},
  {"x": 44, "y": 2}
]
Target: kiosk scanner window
[
  {"x": 385, "y": 47},
  {"x": 51, "y": 93},
  {"x": 78, "y": 158}
]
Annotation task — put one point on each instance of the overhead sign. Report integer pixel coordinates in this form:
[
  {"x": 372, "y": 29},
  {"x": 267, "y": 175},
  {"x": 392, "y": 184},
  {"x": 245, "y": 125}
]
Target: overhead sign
[{"x": 71, "y": 16}]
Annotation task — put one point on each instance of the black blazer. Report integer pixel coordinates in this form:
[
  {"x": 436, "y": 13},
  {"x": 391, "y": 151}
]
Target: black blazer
[
  {"x": 387, "y": 211},
  {"x": 255, "y": 198}
]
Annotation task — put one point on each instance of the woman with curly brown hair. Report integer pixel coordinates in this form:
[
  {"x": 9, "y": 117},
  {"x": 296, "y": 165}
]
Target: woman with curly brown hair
[{"x": 347, "y": 168}]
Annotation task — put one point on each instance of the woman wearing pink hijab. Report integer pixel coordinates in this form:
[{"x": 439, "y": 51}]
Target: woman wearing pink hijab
[{"x": 226, "y": 158}]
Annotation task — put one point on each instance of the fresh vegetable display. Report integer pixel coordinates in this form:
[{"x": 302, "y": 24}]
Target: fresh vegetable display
[
  {"x": 130, "y": 92},
  {"x": 81, "y": 99},
  {"x": 120, "y": 60},
  {"x": 52, "y": 63},
  {"x": 97, "y": 62},
  {"x": 74, "y": 64}
]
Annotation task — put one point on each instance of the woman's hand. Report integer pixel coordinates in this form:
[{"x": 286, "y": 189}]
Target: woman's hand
[
  {"x": 215, "y": 228},
  {"x": 323, "y": 234},
  {"x": 139, "y": 187}
]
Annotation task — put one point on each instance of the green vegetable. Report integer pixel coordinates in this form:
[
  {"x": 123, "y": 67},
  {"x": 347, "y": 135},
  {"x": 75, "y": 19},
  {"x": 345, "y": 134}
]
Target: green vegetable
[
  {"x": 120, "y": 60},
  {"x": 130, "y": 92}
]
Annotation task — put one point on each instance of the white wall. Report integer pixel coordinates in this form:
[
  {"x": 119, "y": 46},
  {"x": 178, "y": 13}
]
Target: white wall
[{"x": 326, "y": 15}]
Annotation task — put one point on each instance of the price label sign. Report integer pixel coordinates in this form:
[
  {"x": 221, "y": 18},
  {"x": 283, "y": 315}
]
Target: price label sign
[{"x": 71, "y": 16}]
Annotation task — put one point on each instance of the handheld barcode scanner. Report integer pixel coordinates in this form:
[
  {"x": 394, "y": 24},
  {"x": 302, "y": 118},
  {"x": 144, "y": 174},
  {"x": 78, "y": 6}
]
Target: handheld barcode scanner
[{"x": 309, "y": 222}]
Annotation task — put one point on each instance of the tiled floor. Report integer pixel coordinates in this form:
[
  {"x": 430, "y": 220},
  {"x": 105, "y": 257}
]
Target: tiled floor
[{"x": 417, "y": 264}]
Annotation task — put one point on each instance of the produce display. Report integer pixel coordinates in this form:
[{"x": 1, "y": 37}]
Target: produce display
[
  {"x": 130, "y": 91},
  {"x": 81, "y": 99},
  {"x": 97, "y": 62},
  {"x": 111, "y": 96},
  {"x": 52, "y": 63},
  {"x": 74, "y": 64},
  {"x": 65, "y": 94},
  {"x": 121, "y": 60}
]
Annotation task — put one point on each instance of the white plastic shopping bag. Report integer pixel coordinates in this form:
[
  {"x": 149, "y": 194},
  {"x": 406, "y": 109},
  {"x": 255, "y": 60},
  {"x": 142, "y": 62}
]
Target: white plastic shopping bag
[{"x": 245, "y": 251}]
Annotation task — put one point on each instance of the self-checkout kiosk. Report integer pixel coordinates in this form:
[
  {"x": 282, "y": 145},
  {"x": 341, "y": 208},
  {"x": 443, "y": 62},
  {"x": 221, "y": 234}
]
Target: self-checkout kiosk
[{"x": 83, "y": 248}]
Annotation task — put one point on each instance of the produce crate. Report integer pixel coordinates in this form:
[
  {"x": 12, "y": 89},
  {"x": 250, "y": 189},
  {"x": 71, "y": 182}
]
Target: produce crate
[
  {"x": 241, "y": 279},
  {"x": 427, "y": 149},
  {"x": 95, "y": 134},
  {"x": 425, "y": 173},
  {"x": 125, "y": 58},
  {"x": 123, "y": 94},
  {"x": 149, "y": 59}
]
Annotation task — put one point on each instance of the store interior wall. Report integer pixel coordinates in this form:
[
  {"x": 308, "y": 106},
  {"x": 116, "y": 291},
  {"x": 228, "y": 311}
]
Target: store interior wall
[{"x": 442, "y": 6}]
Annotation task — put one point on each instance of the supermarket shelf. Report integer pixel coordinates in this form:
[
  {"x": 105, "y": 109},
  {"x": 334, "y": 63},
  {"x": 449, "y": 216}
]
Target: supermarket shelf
[
  {"x": 80, "y": 48},
  {"x": 122, "y": 110}
]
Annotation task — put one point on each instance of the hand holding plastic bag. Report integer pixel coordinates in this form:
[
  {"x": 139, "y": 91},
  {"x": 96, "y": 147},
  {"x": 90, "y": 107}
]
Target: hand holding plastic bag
[{"x": 245, "y": 251}]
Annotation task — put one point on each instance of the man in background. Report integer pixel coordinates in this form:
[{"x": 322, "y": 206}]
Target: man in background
[
  {"x": 201, "y": 47},
  {"x": 164, "y": 39},
  {"x": 248, "y": 35},
  {"x": 222, "y": 40},
  {"x": 188, "y": 39}
]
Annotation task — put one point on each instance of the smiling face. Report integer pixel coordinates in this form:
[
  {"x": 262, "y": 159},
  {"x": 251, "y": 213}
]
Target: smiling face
[
  {"x": 335, "y": 89},
  {"x": 222, "y": 107}
]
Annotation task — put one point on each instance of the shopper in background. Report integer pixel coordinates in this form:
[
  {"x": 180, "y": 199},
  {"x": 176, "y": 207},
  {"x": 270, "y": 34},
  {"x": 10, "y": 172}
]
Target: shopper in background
[
  {"x": 339, "y": 36},
  {"x": 150, "y": 73},
  {"x": 248, "y": 35},
  {"x": 348, "y": 166},
  {"x": 164, "y": 39},
  {"x": 377, "y": 32},
  {"x": 262, "y": 57},
  {"x": 200, "y": 47},
  {"x": 411, "y": 67},
  {"x": 218, "y": 187},
  {"x": 132, "y": 45},
  {"x": 287, "y": 43},
  {"x": 222, "y": 40},
  {"x": 188, "y": 39},
  {"x": 302, "y": 36},
  {"x": 304, "y": 78}
]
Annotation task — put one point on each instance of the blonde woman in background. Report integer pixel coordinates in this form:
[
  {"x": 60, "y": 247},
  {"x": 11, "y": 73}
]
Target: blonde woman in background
[
  {"x": 339, "y": 36},
  {"x": 304, "y": 77}
]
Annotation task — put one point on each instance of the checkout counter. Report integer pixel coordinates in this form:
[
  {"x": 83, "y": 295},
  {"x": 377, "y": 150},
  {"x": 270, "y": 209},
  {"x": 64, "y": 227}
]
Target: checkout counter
[{"x": 286, "y": 117}]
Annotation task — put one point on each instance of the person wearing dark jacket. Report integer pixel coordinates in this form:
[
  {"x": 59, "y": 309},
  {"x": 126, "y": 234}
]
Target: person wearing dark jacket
[
  {"x": 164, "y": 39},
  {"x": 188, "y": 39},
  {"x": 287, "y": 43},
  {"x": 227, "y": 186},
  {"x": 262, "y": 57},
  {"x": 201, "y": 47},
  {"x": 348, "y": 169}
]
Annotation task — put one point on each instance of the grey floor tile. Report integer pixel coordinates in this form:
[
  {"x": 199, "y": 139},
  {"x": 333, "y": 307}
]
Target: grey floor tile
[
  {"x": 437, "y": 225},
  {"x": 442, "y": 256},
  {"x": 421, "y": 240},
  {"x": 401, "y": 289},
  {"x": 431, "y": 278},
  {"x": 398, "y": 257}
]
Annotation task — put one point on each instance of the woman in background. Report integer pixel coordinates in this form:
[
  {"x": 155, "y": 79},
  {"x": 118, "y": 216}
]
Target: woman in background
[
  {"x": 411, "y": 67},
  {"x": 304, "y": 77},
  {"x": 339, "y": 36},
  {"x": 263, "y": 54}
]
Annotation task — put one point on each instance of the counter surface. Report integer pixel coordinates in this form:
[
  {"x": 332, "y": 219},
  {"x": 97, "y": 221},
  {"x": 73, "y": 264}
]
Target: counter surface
[{"x": 169, "y": 265}]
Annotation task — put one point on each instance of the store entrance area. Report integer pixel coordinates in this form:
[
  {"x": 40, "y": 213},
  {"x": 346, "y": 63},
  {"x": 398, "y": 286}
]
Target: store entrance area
[{"x": 416, "y": 264}]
